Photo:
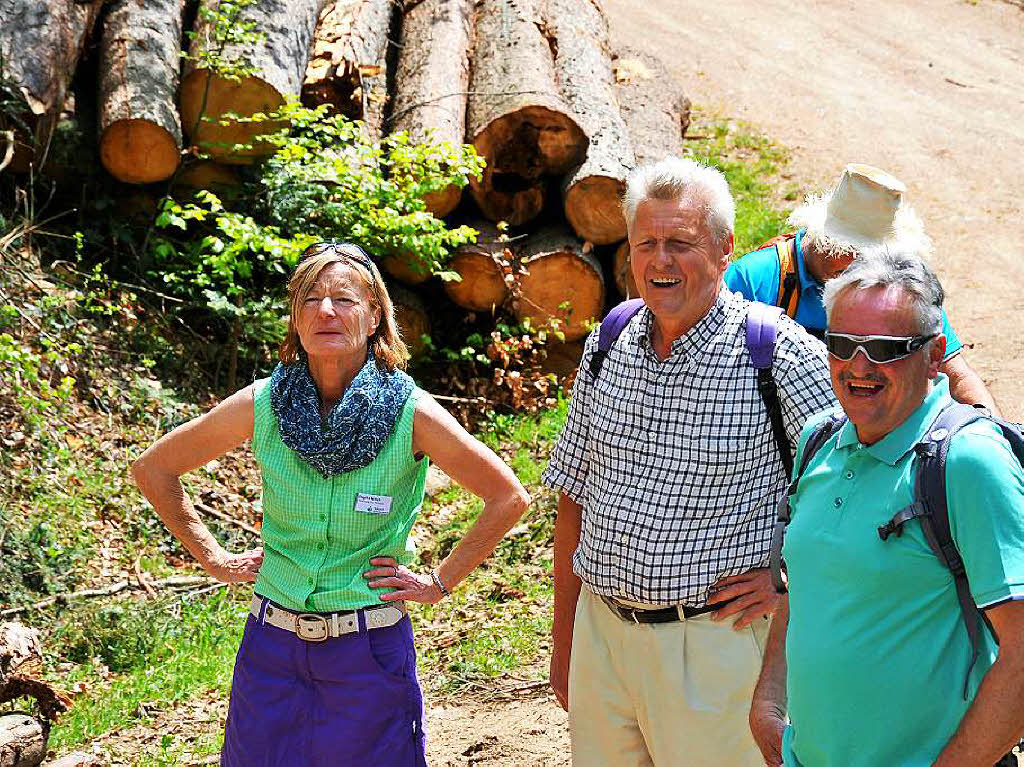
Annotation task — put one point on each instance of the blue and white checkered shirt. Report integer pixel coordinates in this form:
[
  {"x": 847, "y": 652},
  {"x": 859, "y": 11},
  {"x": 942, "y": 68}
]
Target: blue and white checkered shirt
[{"x": 674, "y": 462}]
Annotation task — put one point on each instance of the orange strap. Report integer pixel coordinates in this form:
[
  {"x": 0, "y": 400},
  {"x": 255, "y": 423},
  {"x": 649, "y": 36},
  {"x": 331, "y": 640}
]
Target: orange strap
[{"x": 789, "y": 282}]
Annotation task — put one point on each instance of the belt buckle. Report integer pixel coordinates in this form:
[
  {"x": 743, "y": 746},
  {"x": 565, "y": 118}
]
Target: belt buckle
[{"x": 312, "y": 628}]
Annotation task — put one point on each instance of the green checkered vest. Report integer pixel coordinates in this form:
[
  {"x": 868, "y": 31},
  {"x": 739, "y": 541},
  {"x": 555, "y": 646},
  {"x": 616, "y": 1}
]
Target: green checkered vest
[{"x": 316, "y": 544}]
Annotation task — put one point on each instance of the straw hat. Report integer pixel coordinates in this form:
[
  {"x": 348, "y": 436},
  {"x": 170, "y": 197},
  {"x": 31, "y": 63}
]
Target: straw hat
[{"x": 861, "y": 211}]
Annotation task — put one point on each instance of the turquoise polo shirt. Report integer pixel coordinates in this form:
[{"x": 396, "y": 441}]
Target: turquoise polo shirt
[
  {"x": 756, "y": 276},
  {"x": 876, "y": 649}
]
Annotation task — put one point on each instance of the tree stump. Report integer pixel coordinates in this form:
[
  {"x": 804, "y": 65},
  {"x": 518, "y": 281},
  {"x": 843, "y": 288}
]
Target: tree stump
[
  {"x": 654, "y": 108},
  {"x": 407, "y": 267},
  {"x": 279, "y": 59},
  {"x": 517, "y": 119},
  {"x": 482, "y": 267},
  {"x": 432, "y": 81},
  {"x": 347, "y": 68},
  {"x": 140, "y": 134},
  {"x": 40, "y": 44},
  {"x": 592, "y": 192},
  {"x": 559, "y": 281},
  {"x": 22, "y": 741}
]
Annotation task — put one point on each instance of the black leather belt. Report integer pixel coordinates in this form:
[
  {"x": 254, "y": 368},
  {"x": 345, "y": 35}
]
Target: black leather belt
[{"x": 664, "y": 615}]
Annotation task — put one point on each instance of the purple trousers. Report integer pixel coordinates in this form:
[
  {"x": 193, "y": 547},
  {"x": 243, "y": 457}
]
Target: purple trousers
[{"x": 352, "y": 700}]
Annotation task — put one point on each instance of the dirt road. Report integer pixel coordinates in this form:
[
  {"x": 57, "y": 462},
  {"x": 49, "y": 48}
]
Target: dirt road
[{"x": 931, "y": 90}]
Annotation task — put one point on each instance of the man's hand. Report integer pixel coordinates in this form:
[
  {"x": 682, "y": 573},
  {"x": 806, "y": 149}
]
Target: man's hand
[
  {"x": 753, "y": 596},
  {"x": 766, "y": 725},
  {"x": 558, "y": 676},
  {"x": 236, "y": 568}
]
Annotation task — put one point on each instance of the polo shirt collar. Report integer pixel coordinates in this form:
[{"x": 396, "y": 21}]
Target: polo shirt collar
[
  {"x": 694, "y": 340},
  {"x": 807, "y": 281},
  {"x": 901, "y": 440}
]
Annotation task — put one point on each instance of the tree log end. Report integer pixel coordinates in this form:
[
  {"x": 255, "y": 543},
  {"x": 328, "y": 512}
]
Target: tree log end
[
  {"x": 623, "y": 272},
  {"x": 516, "y": 206},
  {"x": 139, "y": 151},
  {"x": 411, "y": 317},
  {"x": 531, "y": 141},
  {"x": 482, "y": 287},
  {"x": 207, "y": 174},
  {"x": 245, "y": 97},
  {"x": 407, "y": 267},
  {"x": 444, "y": 201},
  {"x": 562, "y": 285},
  {"x": 594, "y": 210}
]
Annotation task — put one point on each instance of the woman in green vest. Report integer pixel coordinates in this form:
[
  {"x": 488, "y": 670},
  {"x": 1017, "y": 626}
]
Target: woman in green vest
[{"x": 326, "y": 671}]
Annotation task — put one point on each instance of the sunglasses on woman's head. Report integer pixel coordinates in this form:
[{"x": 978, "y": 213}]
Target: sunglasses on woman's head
[
  {"x": 354, "y": 252},
  {"x": 878, "y": 349}
]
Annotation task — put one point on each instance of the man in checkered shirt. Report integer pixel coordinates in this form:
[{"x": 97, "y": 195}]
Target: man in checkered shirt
[{"x": 669, "y": 476}]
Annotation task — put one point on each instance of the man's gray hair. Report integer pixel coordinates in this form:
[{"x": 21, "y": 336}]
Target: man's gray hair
[
  {"x": 892, "y": 268},
  {"x": 679, "y": 178}
]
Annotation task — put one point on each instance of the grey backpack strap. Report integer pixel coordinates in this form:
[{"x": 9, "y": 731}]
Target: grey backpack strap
[
  {"x": 611, "y": 328},
  {"x": 821, "y": 434}
]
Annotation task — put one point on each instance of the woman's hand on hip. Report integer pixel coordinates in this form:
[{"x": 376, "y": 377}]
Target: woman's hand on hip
[
  {"x": 386, "y": 573},
  {"x": 236, "y": 568}
]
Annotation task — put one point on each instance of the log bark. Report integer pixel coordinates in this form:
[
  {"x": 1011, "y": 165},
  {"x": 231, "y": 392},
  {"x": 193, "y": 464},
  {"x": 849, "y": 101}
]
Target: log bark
[
  {"x": 482, "y": 267},
  {"x": 653, "y": 105},
  {"x": 432, "y": 81},
  {"x": 19, "y": 644},
  {"x": 279, "y": 59},
  {"x": 40, "y": 44},
  {"x": 22, "y": 741},
  {"x": 517, "y": 118},
  {"x": 411, "y": 317},
  {"x": 623, "y": 272},
  {"x": 348, "y": 63},
  {"x": 140, "y": 133},
  {"x": 592, "y": 191},
  {"x": 559, "y": 281}
]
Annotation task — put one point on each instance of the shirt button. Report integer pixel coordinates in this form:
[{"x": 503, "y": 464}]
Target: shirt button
[
  {"x": 320, "y": 546},
  {"x": 837, "y": 502},
  {"x": 309, "y": 581},
  {"x": 323, "y": 517},
  {"x": 849, "y": 475}
]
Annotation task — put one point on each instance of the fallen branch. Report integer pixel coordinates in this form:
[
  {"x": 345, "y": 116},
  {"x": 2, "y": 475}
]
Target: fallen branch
[
  {"x": 225, "y": 517},
  {"x": 175, "y": 581}
]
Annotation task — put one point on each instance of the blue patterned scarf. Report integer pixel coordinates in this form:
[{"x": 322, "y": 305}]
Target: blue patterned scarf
[{"x": 357, "y": 426}]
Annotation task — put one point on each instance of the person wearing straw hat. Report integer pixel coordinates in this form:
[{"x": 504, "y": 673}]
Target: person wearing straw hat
[
  {"x": 326, "y": 670},
  {"x": 865, "y": 211}
]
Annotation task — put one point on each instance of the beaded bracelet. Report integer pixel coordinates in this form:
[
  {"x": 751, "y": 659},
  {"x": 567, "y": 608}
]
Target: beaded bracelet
[{"x": 437, "y": 582}]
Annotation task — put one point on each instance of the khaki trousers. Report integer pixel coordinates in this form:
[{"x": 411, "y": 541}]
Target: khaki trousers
[{"x": 666, "y": 694}]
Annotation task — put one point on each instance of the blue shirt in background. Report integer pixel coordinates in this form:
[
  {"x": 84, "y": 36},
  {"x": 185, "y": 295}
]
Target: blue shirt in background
[{"x": 756, "y": 276}]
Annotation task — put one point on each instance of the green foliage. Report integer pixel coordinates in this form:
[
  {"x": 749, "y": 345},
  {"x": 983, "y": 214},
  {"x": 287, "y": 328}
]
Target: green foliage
[
  {"x": 33, "y": 561},
  {"x": 324, "y": 181},
  {"x": 226, "y": 27}
]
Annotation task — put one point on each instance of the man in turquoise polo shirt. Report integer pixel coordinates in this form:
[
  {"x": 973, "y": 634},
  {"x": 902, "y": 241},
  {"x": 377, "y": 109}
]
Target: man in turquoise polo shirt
[
  {"x": 868, "y": 654},
  {"x": 864, "y": 210}
]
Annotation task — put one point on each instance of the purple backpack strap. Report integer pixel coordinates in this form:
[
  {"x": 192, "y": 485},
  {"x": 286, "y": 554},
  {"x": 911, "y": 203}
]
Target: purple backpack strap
[
  {"x": 762, "y": 326},
  {"x": 611, "y": 328}
]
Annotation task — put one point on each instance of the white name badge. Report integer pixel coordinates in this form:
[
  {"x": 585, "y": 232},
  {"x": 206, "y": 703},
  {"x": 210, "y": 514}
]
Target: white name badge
[{"x": 373, "y": 504}]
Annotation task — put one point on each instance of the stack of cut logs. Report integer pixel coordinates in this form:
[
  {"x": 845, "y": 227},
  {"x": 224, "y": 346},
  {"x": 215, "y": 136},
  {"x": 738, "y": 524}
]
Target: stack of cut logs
[{"x": 531, "y": 84}]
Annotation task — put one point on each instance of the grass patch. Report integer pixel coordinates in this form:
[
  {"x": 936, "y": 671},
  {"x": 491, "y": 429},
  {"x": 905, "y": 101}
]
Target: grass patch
[
  {"x": 752, "y": 165},
  {"x": 167, "y": 651}
]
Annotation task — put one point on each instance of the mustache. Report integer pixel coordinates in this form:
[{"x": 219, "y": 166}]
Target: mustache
[{"x": 869, "y": 378}]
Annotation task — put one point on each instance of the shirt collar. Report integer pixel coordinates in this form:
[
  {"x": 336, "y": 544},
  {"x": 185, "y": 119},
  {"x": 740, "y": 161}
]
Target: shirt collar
[
  {"x": 807, "y": 280},
  {"x": 696, "y": 338},
  {"x": 901, "y": 440}
]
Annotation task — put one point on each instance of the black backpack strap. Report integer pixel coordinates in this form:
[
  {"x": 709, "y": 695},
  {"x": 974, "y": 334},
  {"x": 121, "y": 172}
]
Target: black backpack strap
[
  {"x": 761, "y": 330},
  {"x": 931, "y": 510},
  {"x": 821, "y": 434},
  {"x": 611, "y": 328}
]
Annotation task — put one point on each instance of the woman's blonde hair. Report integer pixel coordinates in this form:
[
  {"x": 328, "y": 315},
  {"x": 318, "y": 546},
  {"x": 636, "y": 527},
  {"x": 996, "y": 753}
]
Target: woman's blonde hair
[{"x": 386, "y": 343}]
